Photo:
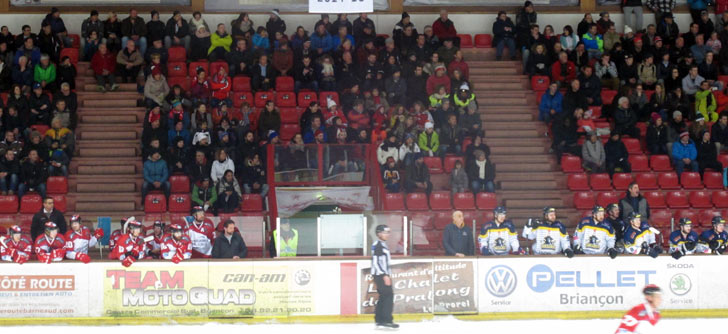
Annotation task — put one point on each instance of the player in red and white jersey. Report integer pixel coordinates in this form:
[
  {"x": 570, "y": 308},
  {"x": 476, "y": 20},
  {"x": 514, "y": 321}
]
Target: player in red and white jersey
[
  {"x": 130, "y": 246},
  {"x": 176, "y": 246},
  {"x": 201, "y": 232},
  {"x": 16, "y": 247},
  {"x": 50, "y": 246},
  {"x": 79, "y": 239},
  {"x": 116, "y": 234},
  {"x": 154, "y": 246},
  {"x": 642, "y": 318}
]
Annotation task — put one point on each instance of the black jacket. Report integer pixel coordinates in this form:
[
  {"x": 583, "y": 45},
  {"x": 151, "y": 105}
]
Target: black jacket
[
  {"x": 458, "y": 240},
  {"x": 129, "y": 29},
  {"x": 707, "y": 153},
  {"x": 36, "y": 227},
  {"x": 224, "y": 249},
  {"x": 499, "y": 33},
  {"x": 656, "y": 136},
  {"x": 275, "y": 26},
  {"x": 156, "y": 30},
  {"x": 474, "y": 174},
  {"x": 171, "y": 31},
  {"x": 615, "y": 150}
]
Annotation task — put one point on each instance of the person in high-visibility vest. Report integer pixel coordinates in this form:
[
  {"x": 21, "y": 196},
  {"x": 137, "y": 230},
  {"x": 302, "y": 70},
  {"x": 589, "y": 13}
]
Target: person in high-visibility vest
[{"x": 289, "y": 239}]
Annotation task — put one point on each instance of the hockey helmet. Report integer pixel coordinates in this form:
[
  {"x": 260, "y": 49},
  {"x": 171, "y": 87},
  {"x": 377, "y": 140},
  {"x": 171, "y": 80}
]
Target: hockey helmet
[
  {"x": 597, "y": 209},
  {"x": 717, "y": 220},
  {"x": 159, "y": 223},
  {"x": 382, "y": 228},
  {"x": 612, "y": 206},
  {"x": 548, "y": 209},
  {"x": 75, "y": 219},
  {"x": 499, "y": 210},
  {"x": 197, "y": 209},
  {"x": 133, "y": 223},
  {"x": 685, "y": 221},
  {"x": 651, "y": 289},
  {"x": 634, "y": 215},
  {"x": 50, "y": 226},
  {"x": 15, "y": 229},
  {"x": 175, "y": 227}
]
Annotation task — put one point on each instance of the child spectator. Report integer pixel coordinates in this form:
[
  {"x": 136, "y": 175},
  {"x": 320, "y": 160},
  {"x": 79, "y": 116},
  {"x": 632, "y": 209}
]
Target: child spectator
[
  {"x": 458, "y": 178},
  {"x": 390, "y": 176}
]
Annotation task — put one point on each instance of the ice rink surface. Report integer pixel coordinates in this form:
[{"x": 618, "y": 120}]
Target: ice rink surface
[{"x": 439, "y": 325}]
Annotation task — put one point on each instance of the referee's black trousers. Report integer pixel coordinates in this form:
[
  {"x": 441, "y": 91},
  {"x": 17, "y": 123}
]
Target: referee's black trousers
[{"x": 383, "y": 310}]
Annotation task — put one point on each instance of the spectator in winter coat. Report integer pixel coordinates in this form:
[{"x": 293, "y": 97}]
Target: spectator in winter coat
[
  {"x": 408, "y": 150},
  {"x": 220, "y": 87},
  {"x": 275, "y": 25},
  {"x": 616, "y": 155},
  {"x": 129, "y": 61},
  {"x": 199, "y": 169},
  {"x": 593, "y": 155},
  {"x": 550, "y": 105},
  {"x": 691, "y": 82},
  {"x": 418, "y": 176},
  {"x": 457, "y": 238},
  {"x": 228, "y": 192},
  {"x": 481, "y": 174},
  {"x": 390, "y": 176},
  {"x": 625, "y": 119},
  {"x": 593, "y": 42},
  {"x": 633, "y": 201},
  {"x": 539, "y": 62},
  {"x": 230, "y": 244},
  {"x": 459, "y": 179},
  {"x": 177, "y": 32},
  {"x": 396, "y": 88},
  {"x": 45, "y": 73},
  {"x": 657, "y": 135},
  {"x": 221, "y": 164},
  {"x": 269, "y": 119},
  {"x": 220, "y": 42},
  {"x": 48, "y": 213},
  {"x": 705, "y": 102},
  {"x": 668, "y": 29},
  {"x": 200, "y": 87},
  {"x": 444, "y": 29},
  {"x": 628, "y": 74},
  {"x": 156, "y": 174},
  {"x": 254, "y": 178},
  {"x": 23, "y": 74},
  {"x": 563, "y": 71},
  {"x": 9, "y": 173},
  {"x": 451, "y": 136},
  {"x": 133, "y": 29},
  {"x": 525, "y": 18},
  {"x": 504, "y": 32},
  {"x": 719, "y": 132},
  {"x": 104, "y": 64},
  {"x": 591, "y": 87},
  {"x": 684, "y": 154},
  {"x": 155, "y": 89},
  {"x": 439, "y": 79},
  {"x": 263, "y": 75},
  {"x": 283, "y": 58},
  {"x": 708, "y": 154},
  {"x": 429, "y": 141},
  {"x": 574, "y": 98}
]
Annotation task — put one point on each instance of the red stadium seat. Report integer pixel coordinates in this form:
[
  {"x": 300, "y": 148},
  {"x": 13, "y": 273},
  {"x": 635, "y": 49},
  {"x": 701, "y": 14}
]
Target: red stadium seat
[
  {"x": 639, "y": 163},
  {"x": 660, "y": 163},
  {"x": 289, "y": 130},
  {"x": 608, "y": 197},
  {"x": 660, "y": 218},
  {"x": 668, "y": 180},
  {"x": 177, "y": 54},
  {"x": 40, "y": 128},
  {"x": 261, "y": 98},
  {"x": 463, "y": 201},
  {"x": 621, "y": 180},
  {"x": 440, "y": 219},
  {"x": 215, "y": 66},
  {"x": 600, "y": 181},
  {"x": 596, "y": 112},
  {"x": 284, "y": 84},
  {"x": 59, "y": 202},
  {"x": 701, "y": 199},
  {"x": 720, "y": 199},
  {"x": 450, "y": 163},
  {"x": 713, "y": 180},
  {"x": 633, "y": 145},
  {"x": 647, "y": 181},
  {"x": 483, "y": 40},
  {"x": 540, "y": 83},
  {"x": 178, "y": 69},
  {"x": 584, "y": 200},
  {"x": 324, "y": 95},
  {"x": 9, "y": 204},
  {"x": 179, "y": 184},
  {"x": 690, "y": 214},
  {"x": 571, "y": 164},
  {"x": 393, "y": 202},
  {"x": 71, "y": 53},
  {"x": 241, "y": 97},
  {"x": 608, "y": 96},
  {"x": 180, "y": 203},
  {"x": 434, "y": 164},
  {"x": 705, "y": 217},
  {"x": 31, "y": 203},
  {"x": 252, "y": 203},
  {"x": 655, "y": 199},
  {"x": 578, "y": 181},
  {"x": 677, "y": 199},
  {"x": 75, "y": 41},
  {"x": 155, "y": 203},
  {"x": 440, "y": 200},
  {"x": 486, "y": 201},
  {"x": 203, "y": 64},
  {"x": 723, "y": 158},
  {"x": 289, "y": 115},
  {"x": 691, "y": 180},
  {"x": 57, "y": 185},
  {"x": 417, "y": 202},
  {"x": 466, "y": 41},
  {"x": 183, "y": 82},
  {"x": 305, "y": 99},
  {"x": 285, "y": 99},
  {"x": 241, "y": 83}
]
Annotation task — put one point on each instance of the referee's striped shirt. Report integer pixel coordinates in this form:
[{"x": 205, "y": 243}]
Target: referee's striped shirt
[{"x": 380, "y": 258}]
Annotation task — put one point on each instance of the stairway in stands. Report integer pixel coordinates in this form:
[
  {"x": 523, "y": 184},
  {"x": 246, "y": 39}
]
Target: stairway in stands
[
  {"x": 105, "y": 177},
  {"x": 527, "y": 175}
]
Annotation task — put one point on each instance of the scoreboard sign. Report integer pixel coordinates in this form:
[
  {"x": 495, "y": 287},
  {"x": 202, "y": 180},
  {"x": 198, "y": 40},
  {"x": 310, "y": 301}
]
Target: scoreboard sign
[{"x": 340, "y": 6}]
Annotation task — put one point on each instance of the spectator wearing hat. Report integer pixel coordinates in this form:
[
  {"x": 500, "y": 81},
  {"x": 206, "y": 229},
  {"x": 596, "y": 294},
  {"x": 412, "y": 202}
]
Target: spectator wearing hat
[
  {"x": 220, "y": 42},
  {"x": 667, "y": 28},
  {"x": 439, "y": 79},
  {"x": 133, "y": 28},
  {"x": 592, "y": 154},
  {"x": 719, "y": 132},
  {"x": 129, "y": 60},
  {"x": 396, "y": 88},
  {"x": 177, "y": 31},
  {"x": 40, "y": 106},
  {"x": 616, "y": 155},
  {"x": 390, "y": 176},
  {"x": 155, "y": 88},
  {"x": 275, "y": 25},
  {"x": 429, "y": 141},
  {"x": 230, "y": 244},
  {"x": 48, "y": 213},
  {"x": 155, "y": 28},
  {"x": 657, "y": 135},
  {"x": 418, "y": 176},
  {"x": 707, "y": 154},
  {"x": 481, "y": 174},
  {"x": 220, "y": 87},
  {"x": 628, "y": 74},
  {"x": 156, "y": 174},
  {"x": 504, "y": 32},
  {"x": 684, "y": 154}
]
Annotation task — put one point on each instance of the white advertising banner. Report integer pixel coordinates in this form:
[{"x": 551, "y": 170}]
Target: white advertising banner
[{"x": 340, "y": 6}]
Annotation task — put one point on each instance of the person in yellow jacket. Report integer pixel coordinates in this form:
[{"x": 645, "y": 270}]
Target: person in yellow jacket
[
  {"x": 705, "y": 102},
  {"x": 437, "y": 98},
  {"x": 289, "y": 239},
  {"x": 220, "y": 42}
]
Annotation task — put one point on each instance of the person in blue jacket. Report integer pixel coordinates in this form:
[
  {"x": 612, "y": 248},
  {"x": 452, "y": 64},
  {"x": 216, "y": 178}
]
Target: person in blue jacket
[
  {"x": 696, "y": 7},
  {"x": 156, "y": 174},
  {"x": 550, "y": 105},
  {"x": 321, "y": 41},
  {"x": 684, "y": 154}
]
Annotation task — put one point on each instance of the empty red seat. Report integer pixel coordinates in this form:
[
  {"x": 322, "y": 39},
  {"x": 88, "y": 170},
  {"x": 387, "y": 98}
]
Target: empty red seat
[
  {"x": 286, "y": 99},
  {"x": 176, "y": 69},
  {"x": 584, "y": 200},
  {"x": 621, "y": 180},
  {"x": 720, "y": 199},
  {"x": 690, "y": 214},
  {"x": 40, "y": 128},
  {"x": 660, "y": 218},
  {"x": 608, "y": 197},
  {"x": 668, "y": 180},
  {"x": 179, "y": 184},
  {"x": 677, "y": 199},
  {"x": 31, "y": 203},
  {"x": 324, "y": 96},
  {"x": 647, "y": 181},
  {"x": 639, "y": 163},
  {"x": 177, "y": 54},
  {"x": 608, "y": 96},
  {"x": 633, "y": 145},
  {"x": 242, "y": 97},
  {"x": 486, "y": 201},
  {"x": 180, "y": 203},
  {"x": 440, "y": 200},
  {"x": 252, "y": 203},
  {"x": 463, "y": 201},
  {"x": 600, "y": 181},
  {"x": 215, "y": 66},
  {"x": 241, "y": 83},
  {"x": 9, "y": 204},
  {"x": 155, "y": 203},
  {"x": 59, "y": 202},
  {"x": 393, "y": 202},
  {"x": 596, "y": 113},
  {"x": 705, "y": 217},
  {"x": 713, "y": 180},
  {"x": 655, "y": 199},
  {"x": 449, "y": 164},
  {"x": 466, "y": 41},
  {"x": 56, "y": 185},
  {"x": 284, "y": 84},
  {"x": 691, "y": 180},
  {"x": 701, "y": 199},
  {"x": 571, "y": 164},
  {"x": 261, "y": 98},
  {"x": 71, "y": 53},
  {"x": 289, "y": 130},
  {"x": 417, "y": 202},
  {"x": 289, "y": 115},
  {"x": 660, "y": 163},
  {"x": 434, "y": 164},
  {"x": 540, "y": 83},
  {"x": 305, "y": 99},
  {"x": 483, "y": 40},
  {"x": 200, "y": 64},
  {"x": 578, "y": 181},
  {"x": 75, "y": 41},
  {"x": 183, "y": 82}
]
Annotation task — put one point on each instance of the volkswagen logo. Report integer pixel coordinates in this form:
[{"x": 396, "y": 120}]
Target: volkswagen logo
[{"x": 500, "y": 281}]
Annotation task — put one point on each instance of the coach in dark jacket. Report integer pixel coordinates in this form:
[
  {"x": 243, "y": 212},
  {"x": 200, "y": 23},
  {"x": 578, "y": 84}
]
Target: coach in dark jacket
[
  {"x": 229, "y": 245},
  {"x": 458, "y": 238},
  {"x": 46, "y": 214}
]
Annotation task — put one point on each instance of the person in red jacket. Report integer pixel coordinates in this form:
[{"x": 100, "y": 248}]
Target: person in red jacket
[
  {"x": 437, "y": 80},
  {"x": 283, "y": 58},
  {"x": 50, "y": 246},
  {"x": 444, "y": 28},
  {"x": 220, "y": 86},
  {"x": 563, "y": 71},
  {"x": 104, "y": 63},
  {"x": 358, "y": 117},
  {"x": 458, "y": 63}
]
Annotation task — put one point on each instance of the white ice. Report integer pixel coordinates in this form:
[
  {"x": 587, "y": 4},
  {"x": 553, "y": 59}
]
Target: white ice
[{"x": 439, "y": 325}]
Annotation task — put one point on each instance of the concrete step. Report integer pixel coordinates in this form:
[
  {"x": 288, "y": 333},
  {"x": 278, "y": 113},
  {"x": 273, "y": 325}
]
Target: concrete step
[
  {"x": 130, "y": 170},
  {"x": 491, "y": 125},
  {"x": 518, "y": 150},
  {"x": 524, "y": 167},
  {"x": 100, "y": 103},
  {"x": 123, "y": 87},
  {"x": 506, "y": 117},
  {"x": 106, "y": 207},
  {"x": 514, "y": 142},
  {"x": 484, "y": 77},
  {"x": 502, "y": 101},
  {"x": 76, "y": 180},
  {"x": 520, "y": 158},
  {"x": 533, "y": 176},
  {"x": 106, "y": 187},
  {"x": 533, "y": 204},
  {"x": 528, "y": 185},
  {"x": 115, "y": 111},
  {"x": 484, "y": 85},
  {"x": 109, "y": 144},
  {"x": 109, "y": 119},
  {"x": 495, "y": 70},
  {"x": 513, "y": 134},
  {"x": 490, "y": 64},
  {"x": 107, "y": 152},
  {"x": 489, "y": 93},
  {"x": 110, "y": 135}
]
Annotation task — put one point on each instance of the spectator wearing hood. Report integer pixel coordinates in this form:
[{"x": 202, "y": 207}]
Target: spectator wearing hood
[{"x": 684, "y": 154}]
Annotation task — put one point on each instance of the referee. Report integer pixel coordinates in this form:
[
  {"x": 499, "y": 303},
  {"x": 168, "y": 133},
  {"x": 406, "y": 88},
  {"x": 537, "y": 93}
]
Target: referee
[{"x": 381, "y": 272}]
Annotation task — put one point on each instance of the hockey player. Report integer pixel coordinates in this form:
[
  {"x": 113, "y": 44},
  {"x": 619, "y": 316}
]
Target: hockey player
[
  {"x": 639, "y": 237},
  {"x": 550, "y": 235},
  {"x": 17, "y": 247},
  {"x": 116, "y": 234},
  {"x": 594, "y": 235},
  {"x": 642, "y": 318},
  {"x": 158, "y": 233},
  {"x": 713, "y": 240},
  {"x": 50, "y": 247},
  {"x": 176, "y": 246},
  {"x": 617, "y": 223},
  {"x": 79, "y": 239},
  {"x": 499, "y": 237},
  {"x": 130, "y": 246},
  {"x": 684, "y": 240},
  {"x": 201, "y": 232}
]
